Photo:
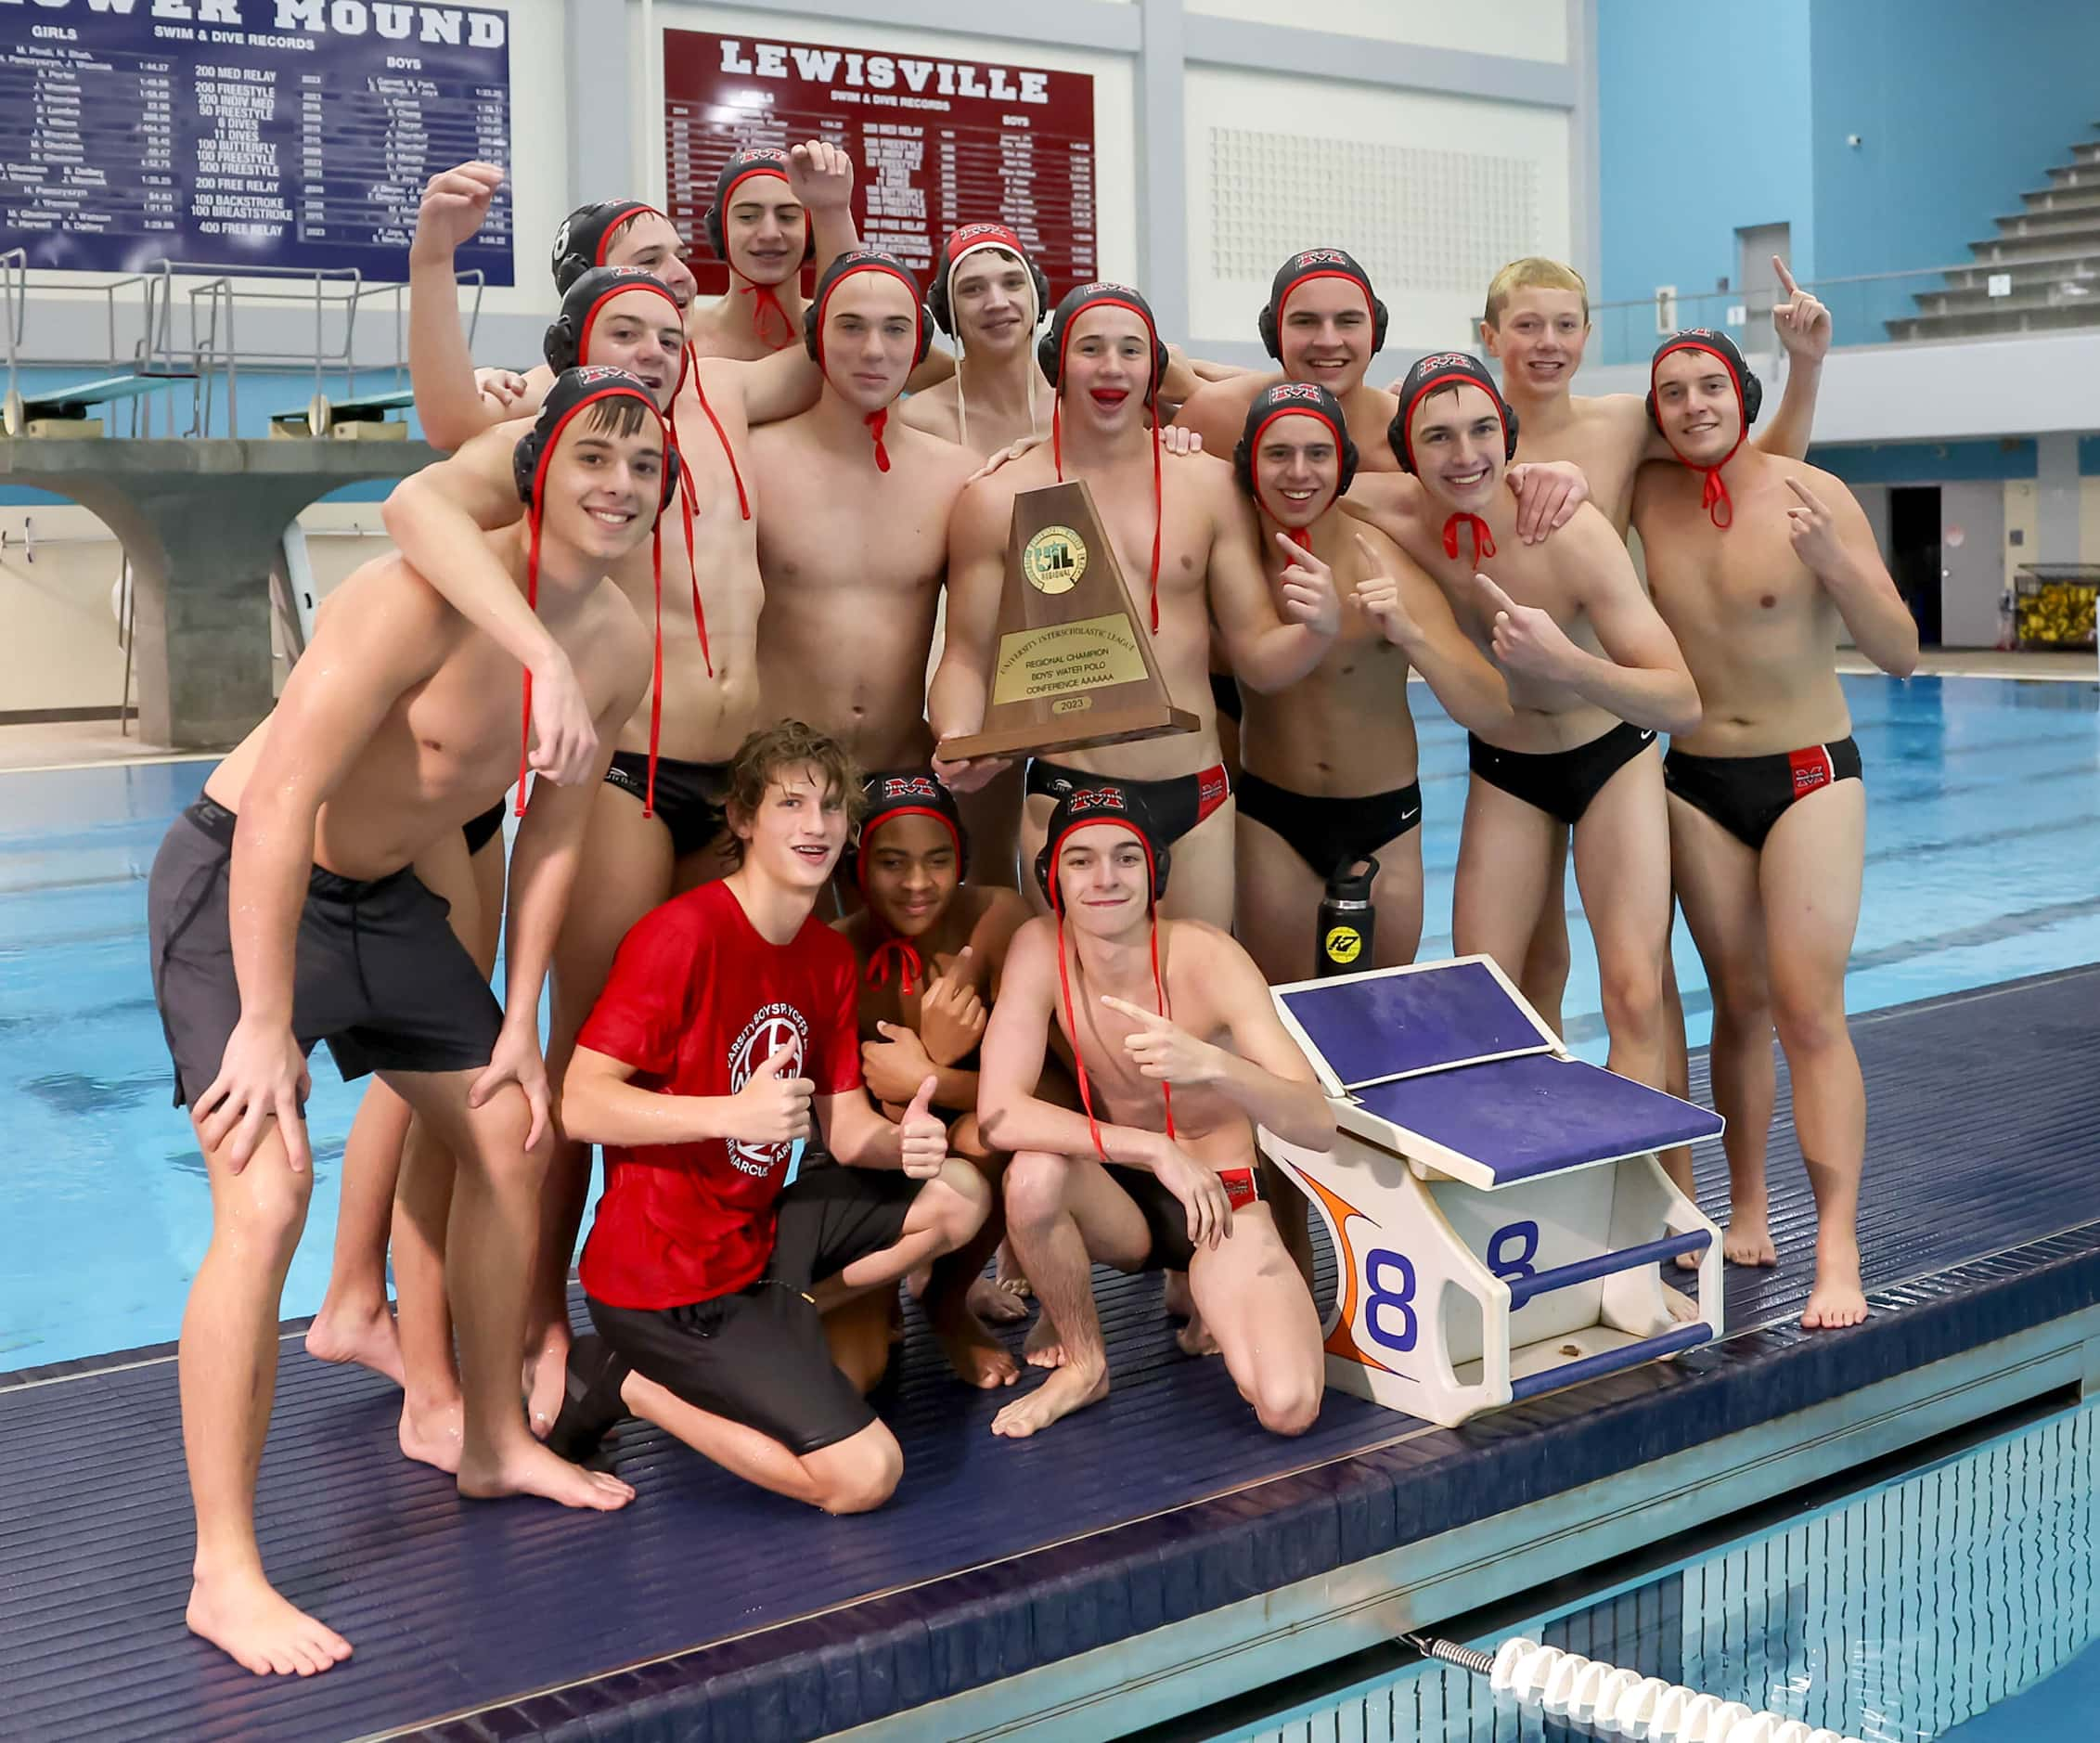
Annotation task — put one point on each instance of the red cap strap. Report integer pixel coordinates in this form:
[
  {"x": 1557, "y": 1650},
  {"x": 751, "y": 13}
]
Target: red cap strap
[
  {"x": 877, "y": 421},
  {"x": 532, "y": 603},
  {"x": 911, "y": 968},
  {"x": 1483, "y": 541},
  {"x": 765, "y": 300},
  {"x": 728, "y": 453}
]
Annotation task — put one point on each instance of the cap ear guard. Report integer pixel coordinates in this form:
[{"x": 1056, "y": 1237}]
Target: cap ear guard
[
  {"x": 525, "y": 459},
  {"x": 938, "y": 306},
  {"x": 1747, "y": 385},
  {"x": 1273, "y": 341},
  {"x": 812, "y": 317},
  {"x": 1397, "y": 431}
]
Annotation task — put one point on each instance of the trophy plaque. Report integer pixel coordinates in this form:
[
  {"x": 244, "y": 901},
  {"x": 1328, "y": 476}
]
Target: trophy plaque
[{"x": 1071, "y": 664}]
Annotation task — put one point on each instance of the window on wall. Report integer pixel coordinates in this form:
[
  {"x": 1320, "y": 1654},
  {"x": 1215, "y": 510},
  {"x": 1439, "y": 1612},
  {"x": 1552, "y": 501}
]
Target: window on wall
[{"x": 1420, "y": 220}]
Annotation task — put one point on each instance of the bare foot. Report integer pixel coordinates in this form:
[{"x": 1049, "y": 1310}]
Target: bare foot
[
  {"x": 1837, "y": 1298},
  {"x": 1045, "y": 1345},
  {"x": 368, "y": 1339},
  {"x": 1681, "y": 1307},
  {"x": 1179, "y": 1299},
  {"x": 547, "y": 1380},
  {"x": 996, "y": 1304},
  {"x": 1068, "y": 1389},
  {"x": 978, "y": 1357},
  {"x": 1007, "y": 1272},
  {"x": 432, "y": 1435},
  {"x": 528, "y": 1468},
  {"x": 246, "y": 1619},
  {"x": 1748, "y": 1240},
  {"x": 1194, "y": 1338}
]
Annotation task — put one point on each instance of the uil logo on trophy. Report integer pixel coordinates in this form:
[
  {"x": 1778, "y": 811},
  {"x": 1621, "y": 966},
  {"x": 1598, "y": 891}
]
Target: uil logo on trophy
[{"x": 1074, "y": 665}]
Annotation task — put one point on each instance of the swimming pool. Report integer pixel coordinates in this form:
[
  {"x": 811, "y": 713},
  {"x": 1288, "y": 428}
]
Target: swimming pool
[
  {"x": 1985, "y": 828},
  {"x": 1959, "y": 1602}
]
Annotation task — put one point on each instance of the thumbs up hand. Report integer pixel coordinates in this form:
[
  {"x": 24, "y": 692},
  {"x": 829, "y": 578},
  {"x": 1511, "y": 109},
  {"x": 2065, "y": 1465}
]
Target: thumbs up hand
[
  {"x": 772, "y": 1107},
  {"x": 921, "y": 1138}
]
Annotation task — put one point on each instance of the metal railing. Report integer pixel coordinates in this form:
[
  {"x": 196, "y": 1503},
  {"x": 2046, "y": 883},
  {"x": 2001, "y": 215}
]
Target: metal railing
[
  {"x": 210, "y": 350},
  {"x": 1861, "y": 304}
]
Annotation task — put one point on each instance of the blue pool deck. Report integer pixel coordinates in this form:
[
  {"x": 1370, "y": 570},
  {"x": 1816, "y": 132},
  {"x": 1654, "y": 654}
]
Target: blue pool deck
[{"x": 1156, "y": 1553}]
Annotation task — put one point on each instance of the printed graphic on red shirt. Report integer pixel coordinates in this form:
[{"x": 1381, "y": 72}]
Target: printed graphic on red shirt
[{"x": 773, "y": 1028}]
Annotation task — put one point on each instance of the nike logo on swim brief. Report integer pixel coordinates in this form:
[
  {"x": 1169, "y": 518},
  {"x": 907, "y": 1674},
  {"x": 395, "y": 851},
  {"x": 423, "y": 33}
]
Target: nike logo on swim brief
[{"x": 1408, "y": 815}]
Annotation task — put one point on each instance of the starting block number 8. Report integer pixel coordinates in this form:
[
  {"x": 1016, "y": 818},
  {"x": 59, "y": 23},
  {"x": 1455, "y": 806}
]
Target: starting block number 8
[{"x": 1389, "y": 1313}]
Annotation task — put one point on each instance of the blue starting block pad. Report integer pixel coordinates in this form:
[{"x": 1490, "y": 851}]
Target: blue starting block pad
[{"x": 1497, "y": 1210}]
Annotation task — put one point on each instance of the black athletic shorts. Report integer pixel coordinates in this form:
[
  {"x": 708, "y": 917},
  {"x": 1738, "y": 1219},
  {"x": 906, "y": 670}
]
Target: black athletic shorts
[
  {"x": 1747, "y": 794},
  {"x": 691, "y": 799},
  {"x": 377, "y": 974},
  {"x": 1331, "y": 835},
  {"x": 486, "y": 828},
  {"x": 759, "y": 1357},
  {"x": 1560, "y": 783}
]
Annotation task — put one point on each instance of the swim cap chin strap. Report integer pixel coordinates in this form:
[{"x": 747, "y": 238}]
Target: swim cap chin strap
[{"x": 1483, "y": 541}]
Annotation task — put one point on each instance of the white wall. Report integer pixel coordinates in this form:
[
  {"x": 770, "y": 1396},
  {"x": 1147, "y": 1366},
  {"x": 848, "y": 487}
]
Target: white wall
[
  {"x": 1528, "y": 29},
  {"x": 1431, "y": 193},
  {"x": 58, "y": 567},
  {"x": 1115, "y": 148}
]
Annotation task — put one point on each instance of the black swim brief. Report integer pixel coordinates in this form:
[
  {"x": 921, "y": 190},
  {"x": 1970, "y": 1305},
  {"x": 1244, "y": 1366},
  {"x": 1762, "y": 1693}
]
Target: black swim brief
[
  {"x": 1747, "y": 794},
  {"x": 1224, "y": 694},
  {"x": 486, "y": 828},
  {"x": 1331, "y": 835},
  {"x": 691, "y": 799},
  {"x": 378, "y": 973},
  {"x": 759, "y": 1356},
  {"x": 1175, "y": 806},
  {"x": 1560, "y": 783}
]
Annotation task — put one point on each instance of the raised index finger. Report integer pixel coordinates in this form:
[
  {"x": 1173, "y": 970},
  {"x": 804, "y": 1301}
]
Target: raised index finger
[
  {"x": 1500, "y": 600},
  {"x": 1785, "y": 277},
  {"x": 1151, "y": 1019},
  {"x": 1802, "y": 491}
]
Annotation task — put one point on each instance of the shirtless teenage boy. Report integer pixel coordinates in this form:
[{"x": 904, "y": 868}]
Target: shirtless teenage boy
[
  {"x": 399, "y": 724},
  {"x": 1142, "y": 1182},
  {"x": 1593, "y": 676},
  {"x": 1329, "y": 761},
  {"x": 1758, "y": 564},
  {"x": 853, "y": 541},
  {"x": 1188, "y": 553},
  {"x": 932, "y": 946},
  {"x": 642, "y": 846},
  {"x": 722, "y": 1045},
  {"x": 1537, "y": 325}
]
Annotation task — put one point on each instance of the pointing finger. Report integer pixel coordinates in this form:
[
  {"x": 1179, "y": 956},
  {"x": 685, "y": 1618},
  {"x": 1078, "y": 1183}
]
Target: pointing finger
[
  {"x": 1497, "y": 599},
  {"x": 1785, "y": 277},
  {"x": 1151, "y": 1019}
]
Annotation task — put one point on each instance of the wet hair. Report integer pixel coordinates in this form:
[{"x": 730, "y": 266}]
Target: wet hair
[
  {"x": 1534, "y": 272},
  {"x": 773, "y": 751},
  {"x": 621, "y": 415}
]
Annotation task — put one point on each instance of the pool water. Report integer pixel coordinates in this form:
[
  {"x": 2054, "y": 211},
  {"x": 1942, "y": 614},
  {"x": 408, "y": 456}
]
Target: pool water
[
  {"x": 1984, "y": 830},
  {"x": 1960, "y": 1602}
]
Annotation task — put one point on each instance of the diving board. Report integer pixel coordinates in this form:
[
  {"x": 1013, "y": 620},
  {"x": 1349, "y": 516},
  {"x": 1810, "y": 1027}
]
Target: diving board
[
  {"x": 71, "y": 401},
  {"x": 1496, "y": 1207}
]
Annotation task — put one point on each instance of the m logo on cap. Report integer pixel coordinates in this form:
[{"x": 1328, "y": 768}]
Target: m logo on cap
[
  {"x": 1104, "y": 798},
  {"x": 1320, "y": 257},
  {"x": 910, "y": 787},
  {"x": 1449, "y": 360},
  {"x": 1296, "y": 390}
]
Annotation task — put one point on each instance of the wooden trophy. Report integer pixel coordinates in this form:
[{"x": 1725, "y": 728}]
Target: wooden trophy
[{"x": 1073, "y": 664}]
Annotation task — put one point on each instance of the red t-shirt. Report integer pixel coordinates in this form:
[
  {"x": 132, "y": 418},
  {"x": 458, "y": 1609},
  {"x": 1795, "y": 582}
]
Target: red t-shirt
[{"x": 696, "y": 1003}]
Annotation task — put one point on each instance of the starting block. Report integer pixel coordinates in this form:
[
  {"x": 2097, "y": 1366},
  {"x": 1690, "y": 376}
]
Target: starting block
[{"x": 1497, "y": 1210}]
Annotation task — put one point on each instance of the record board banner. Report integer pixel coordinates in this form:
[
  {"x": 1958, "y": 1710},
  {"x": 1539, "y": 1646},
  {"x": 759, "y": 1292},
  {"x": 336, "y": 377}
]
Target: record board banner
[
  {"x": 935, "y": 142},
  {"x": 282, "y": 133}
]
